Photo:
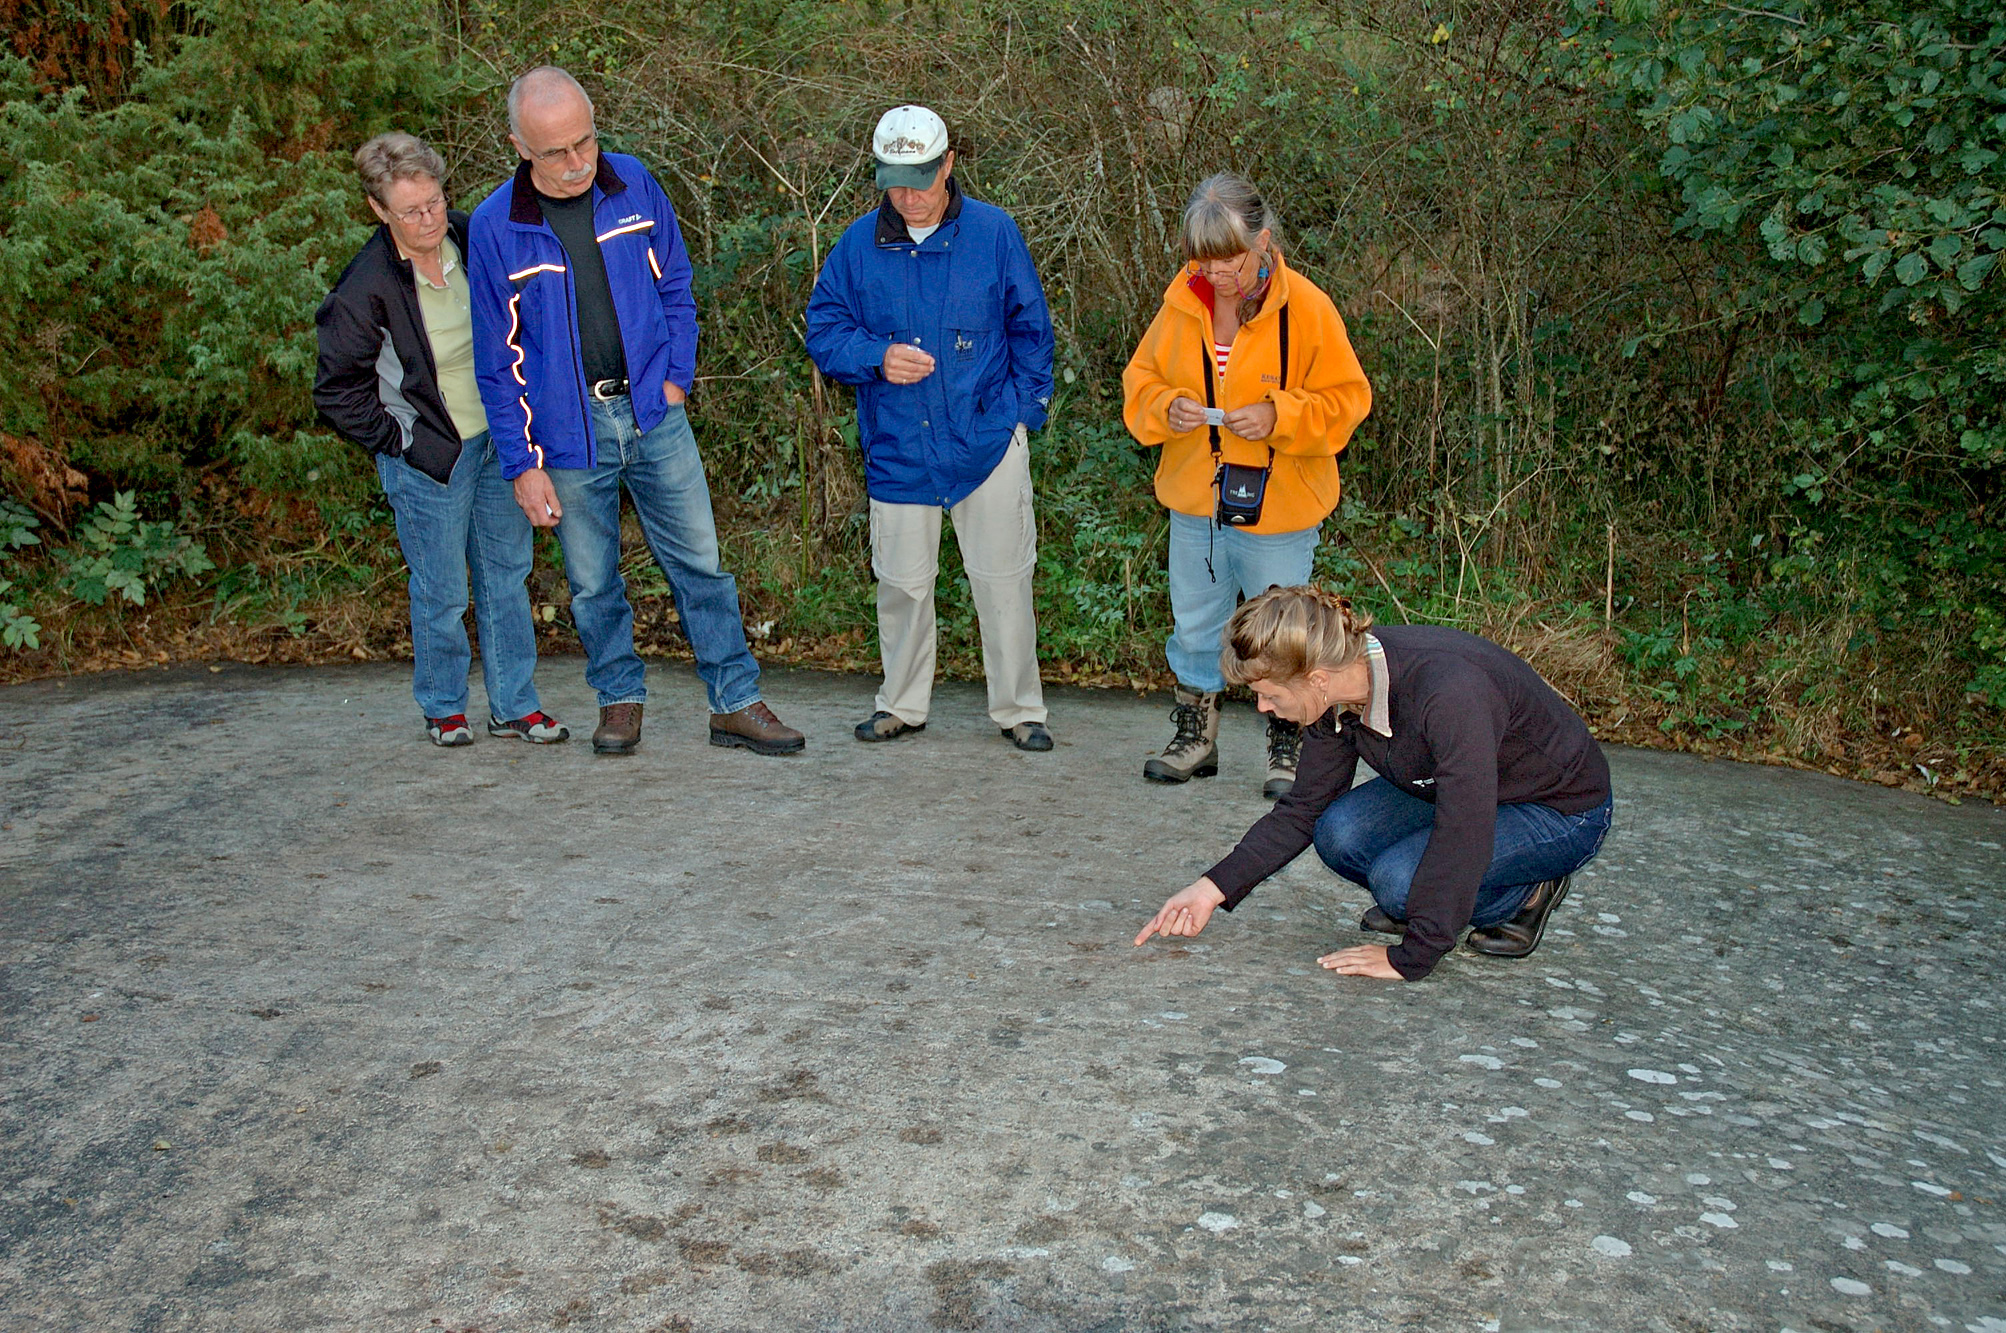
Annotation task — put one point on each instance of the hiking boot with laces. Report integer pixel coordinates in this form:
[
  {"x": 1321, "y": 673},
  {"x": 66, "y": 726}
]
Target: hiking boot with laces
[
  {"x": 1285, "y": 747},
  {"x": 755, "y": 728},
  {"x": 619, "y": 729},
  {"x": 1193, "y": 751}
]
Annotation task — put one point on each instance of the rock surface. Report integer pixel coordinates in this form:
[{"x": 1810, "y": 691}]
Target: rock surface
[{"x": 310, "y": 1025}]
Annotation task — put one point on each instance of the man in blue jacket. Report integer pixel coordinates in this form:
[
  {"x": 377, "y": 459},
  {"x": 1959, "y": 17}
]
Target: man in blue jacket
[
  {"x": 931, "y": 308},
  {"x": 580, "y": 287}
]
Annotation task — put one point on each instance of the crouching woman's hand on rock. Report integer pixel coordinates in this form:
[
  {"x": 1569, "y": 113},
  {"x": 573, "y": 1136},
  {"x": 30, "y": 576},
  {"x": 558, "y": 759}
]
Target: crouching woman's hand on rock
[{"x": 1185, "y": 913}]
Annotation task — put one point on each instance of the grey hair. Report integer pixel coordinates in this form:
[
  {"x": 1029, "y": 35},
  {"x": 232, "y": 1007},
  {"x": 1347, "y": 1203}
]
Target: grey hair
[
  {"x": 393, "y": 157},
  {"x": 534, "y": 81},
  {"x": 1225, "y": 217}
]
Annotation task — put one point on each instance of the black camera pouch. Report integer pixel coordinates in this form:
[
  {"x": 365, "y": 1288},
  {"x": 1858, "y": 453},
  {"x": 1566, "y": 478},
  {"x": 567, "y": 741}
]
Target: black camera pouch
[
  {"x": 1241, "y": 490},
  {"x": 1241, "y": 487}
]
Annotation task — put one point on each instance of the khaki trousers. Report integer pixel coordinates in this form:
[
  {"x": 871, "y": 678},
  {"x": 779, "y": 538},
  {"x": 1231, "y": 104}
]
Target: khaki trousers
[{"x": 999, "y": 550}]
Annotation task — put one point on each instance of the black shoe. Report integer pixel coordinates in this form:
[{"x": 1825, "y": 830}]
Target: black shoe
[
  {"x": 1375, "y": 919},
  {"x": 883, "y": 726},
  {"x": 1029, "y": 736},
  {"x": 1520, "y": 936}
]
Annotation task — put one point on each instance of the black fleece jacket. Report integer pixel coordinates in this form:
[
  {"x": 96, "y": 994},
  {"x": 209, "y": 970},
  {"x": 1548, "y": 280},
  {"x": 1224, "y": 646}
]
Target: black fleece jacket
[
  {"x": 1474, "y": 727},
  {"x": 376, "y": 382}
]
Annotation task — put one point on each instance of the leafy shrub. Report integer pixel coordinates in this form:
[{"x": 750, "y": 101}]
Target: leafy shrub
[
  {"x": 114, "y": 551},
  {"x": 18, "y": 629}
]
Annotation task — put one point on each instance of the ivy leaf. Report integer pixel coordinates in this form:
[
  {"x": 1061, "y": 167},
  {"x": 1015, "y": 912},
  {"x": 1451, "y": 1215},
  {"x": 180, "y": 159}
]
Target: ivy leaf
[
  {"x": 1811, "y": 250},
  {"x": 1911, "y": 269},
  {"x": 1971, "y": 273}
]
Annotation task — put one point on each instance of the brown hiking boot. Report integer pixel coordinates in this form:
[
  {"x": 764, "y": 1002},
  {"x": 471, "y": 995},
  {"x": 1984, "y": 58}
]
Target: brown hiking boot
[
  {"x": 757, "y": 729},
  {"x": 1193, "y": 751},
  {"x": 1285, "y": 747},
  {"x": 619, "y": 729}
]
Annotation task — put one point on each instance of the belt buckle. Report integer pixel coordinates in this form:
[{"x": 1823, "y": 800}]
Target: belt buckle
[{"x": 613, "y": 389}]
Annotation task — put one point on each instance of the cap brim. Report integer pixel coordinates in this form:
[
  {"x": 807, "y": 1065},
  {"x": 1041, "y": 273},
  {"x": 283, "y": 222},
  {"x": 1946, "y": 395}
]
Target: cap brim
[{"x": 907, "y": 177}]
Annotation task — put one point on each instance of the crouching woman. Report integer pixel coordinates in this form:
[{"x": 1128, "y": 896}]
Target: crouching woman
[{"x": 1490, "y": 791}]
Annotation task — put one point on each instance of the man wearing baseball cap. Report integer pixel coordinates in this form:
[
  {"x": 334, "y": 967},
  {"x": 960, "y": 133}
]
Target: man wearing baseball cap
[{"x": 931, "y": 308}]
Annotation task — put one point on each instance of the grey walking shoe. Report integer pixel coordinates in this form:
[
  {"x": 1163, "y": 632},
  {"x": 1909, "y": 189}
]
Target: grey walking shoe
[
  {"x": 1285, "y": 747},
  {"x": 883, "y": 726},
  {"x": 1193, "y": 751},
  {"x": 1028, "y": 736}
]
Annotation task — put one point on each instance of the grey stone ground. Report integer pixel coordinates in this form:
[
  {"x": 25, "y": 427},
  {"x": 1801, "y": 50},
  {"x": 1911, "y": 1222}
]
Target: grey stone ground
[{"x": 312, "y": 1026}]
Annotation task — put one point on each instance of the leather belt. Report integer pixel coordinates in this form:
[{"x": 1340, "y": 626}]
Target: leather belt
[{"x": 605, "y": 390}]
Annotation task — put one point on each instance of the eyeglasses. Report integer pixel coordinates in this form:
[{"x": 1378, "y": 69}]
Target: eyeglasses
[
  {"x": 579, "y": 149},
  {"x": 411, "y": 217},
  {"x": 1230, "y": 268}
]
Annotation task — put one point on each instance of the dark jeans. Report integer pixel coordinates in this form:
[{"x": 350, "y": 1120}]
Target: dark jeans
[{"x": 1374, "y": 836}]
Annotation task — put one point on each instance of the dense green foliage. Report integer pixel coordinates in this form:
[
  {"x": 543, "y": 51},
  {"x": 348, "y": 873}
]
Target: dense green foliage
[
  {"x": 1862, "y": 149},
  {"x": 1684, "y": 322}
]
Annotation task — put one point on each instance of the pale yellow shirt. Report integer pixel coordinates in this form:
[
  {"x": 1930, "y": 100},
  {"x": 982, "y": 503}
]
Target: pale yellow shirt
[{"x": 449, "y": 323}]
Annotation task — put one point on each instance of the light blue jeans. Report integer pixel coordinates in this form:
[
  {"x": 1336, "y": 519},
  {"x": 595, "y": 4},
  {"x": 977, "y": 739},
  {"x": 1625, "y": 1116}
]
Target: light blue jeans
[
  {"x": 1374, "y": 836},
  {"x": 663, "y": 472},
  {"x": 1202, "y": 600},
  {"x": 471, "y": 524}
]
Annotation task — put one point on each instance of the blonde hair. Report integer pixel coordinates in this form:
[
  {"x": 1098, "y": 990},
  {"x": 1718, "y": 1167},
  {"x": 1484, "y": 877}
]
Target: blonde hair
[
  {"x": 396, "y": 156},
  {"x": 1285, "y": 633}
]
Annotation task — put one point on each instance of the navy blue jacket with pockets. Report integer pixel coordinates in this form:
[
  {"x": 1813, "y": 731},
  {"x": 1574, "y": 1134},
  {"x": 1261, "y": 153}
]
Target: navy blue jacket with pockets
[
  {"x": 526, "y": 355},
  {"x": 967, "y": 295}
]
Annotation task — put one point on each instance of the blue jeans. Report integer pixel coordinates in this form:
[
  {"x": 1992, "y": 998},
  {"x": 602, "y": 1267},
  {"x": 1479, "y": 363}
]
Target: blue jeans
[
  {"x": 664, "y": 474},
  {"x": 1201, "y": 602},
  {"x": 470, "y": 524},
  {"x": 1374, "y": 835}
]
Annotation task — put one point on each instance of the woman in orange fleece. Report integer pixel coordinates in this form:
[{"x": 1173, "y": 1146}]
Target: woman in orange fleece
[{"x": 1248, "y": 382}]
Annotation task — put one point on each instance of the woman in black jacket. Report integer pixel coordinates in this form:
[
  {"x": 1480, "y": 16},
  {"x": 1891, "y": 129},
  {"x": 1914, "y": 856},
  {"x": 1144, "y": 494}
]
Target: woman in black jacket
[
  {"x": 396, "y": 375},
  {"x": 1490, "y": 791}
]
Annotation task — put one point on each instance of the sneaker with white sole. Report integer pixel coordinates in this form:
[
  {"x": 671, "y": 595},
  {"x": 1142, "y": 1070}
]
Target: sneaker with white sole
[
  {"x": 449, "y": 731},
  {"x": 537, "y": 729}
]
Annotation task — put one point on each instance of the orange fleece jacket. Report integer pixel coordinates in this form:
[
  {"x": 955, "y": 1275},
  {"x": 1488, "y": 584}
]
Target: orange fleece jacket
[{"x": 1326, "y": 398}]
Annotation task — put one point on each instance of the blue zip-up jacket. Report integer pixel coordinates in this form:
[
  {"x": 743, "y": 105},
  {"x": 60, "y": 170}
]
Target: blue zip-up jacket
[
  {"x": 526, "y": 356},
  {"x": 969, "y": 296}
]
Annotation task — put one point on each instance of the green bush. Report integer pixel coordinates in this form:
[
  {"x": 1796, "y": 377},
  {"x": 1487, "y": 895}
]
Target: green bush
[
  {"x": 115, "y": 552},
  {"x": 18, "y": 629}
]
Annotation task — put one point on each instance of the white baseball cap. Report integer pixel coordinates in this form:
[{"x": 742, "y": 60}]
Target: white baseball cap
[{"x": 909, "y": 143}]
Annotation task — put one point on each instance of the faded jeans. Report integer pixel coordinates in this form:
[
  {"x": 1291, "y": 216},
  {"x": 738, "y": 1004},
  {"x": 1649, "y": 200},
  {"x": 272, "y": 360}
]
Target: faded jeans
[
  {"x": 1202, "y": 601},
  {"x": 664, "y": 473},
  {"x": 471, "y": 524}
]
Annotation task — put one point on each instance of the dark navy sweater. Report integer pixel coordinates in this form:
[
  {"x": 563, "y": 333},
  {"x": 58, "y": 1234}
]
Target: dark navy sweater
[{"x": 1474, "y": 727}]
